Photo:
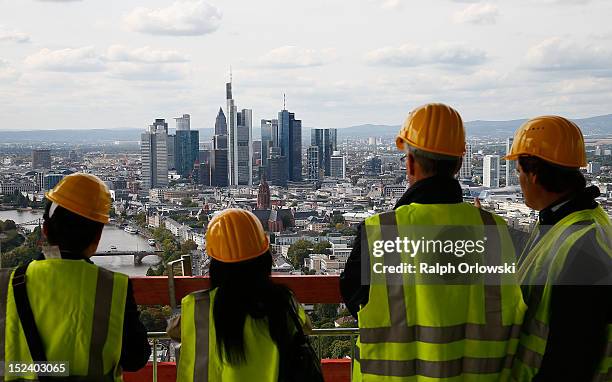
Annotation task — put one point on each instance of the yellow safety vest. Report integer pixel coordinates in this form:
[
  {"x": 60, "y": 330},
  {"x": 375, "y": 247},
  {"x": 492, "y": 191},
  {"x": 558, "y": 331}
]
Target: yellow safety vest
[
  {"x": 542, "y": 266},
  {"x": 412, "y": 330},
  {"x": 78, "y": 309},
  {"x": 199, "y": 360}
]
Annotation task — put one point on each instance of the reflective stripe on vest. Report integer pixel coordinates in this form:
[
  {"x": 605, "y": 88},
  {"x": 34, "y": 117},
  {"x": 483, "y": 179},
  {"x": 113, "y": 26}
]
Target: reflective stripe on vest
[
  {"x": 399, "y": 332},
  {"x": 5, "y": 277},
  {"x": 201, "y": 312},
  {"x": 539, "y": 272},
  {"x": 101, "y": 299}
]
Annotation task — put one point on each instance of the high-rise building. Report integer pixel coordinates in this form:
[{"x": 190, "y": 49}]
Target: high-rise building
[
  {"x": 161, "y": 123},
  {"x": 327, "y": 141},
  {"x": 337, "y": 165},
  {"x": 220, "y": 137},
  {"x": 154, "y": 155},
  {"x": 218, "y": 168},
  {"x": 240, "y": 146},
  {"x": 186, "y": 148},
  {"x": 466, "y": 165},
  {"x": 372, "y": 166},
  {"x": 51, "y": 180},
  {"x": 291, "y": 143},
  {"x": 511, "y": 175},
  {"x": 171, "y": 158},
  {"x": 269, "y": 138},
  {"x": 312, "y": 166},
  {"x": 277, "y": 167},
  {"x": 593, "y": 168},
  {"x": 183, "y": 123},
  {"x": 41, "y": 159},
  {"x": 491, "y": 171}
]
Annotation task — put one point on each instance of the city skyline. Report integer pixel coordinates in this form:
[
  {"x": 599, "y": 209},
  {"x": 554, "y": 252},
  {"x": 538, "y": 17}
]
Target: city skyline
[{"x": 134, "y": 59}]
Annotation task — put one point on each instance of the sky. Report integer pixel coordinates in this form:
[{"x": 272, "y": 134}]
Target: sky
[{"x": 78, "y": 64}]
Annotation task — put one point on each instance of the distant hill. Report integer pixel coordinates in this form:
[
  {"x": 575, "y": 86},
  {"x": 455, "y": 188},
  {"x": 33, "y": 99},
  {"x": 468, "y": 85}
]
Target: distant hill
[{"x": 600, "y": 125}]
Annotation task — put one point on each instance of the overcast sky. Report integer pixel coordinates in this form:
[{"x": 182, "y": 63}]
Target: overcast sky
[{"x": 108, "y": 64}]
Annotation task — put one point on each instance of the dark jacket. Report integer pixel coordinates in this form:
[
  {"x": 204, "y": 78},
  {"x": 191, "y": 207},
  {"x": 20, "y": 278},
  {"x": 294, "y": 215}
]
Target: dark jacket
[
  {"x": 135, "y": 348},
  {"x": 581, "y": 301},
  {"x": 433, "y": 190}
]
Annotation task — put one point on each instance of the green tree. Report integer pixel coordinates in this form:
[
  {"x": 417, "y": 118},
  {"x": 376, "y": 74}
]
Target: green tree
[
  {"x": 187, "y": 202},
  {"x": 337, "y": 219},
  {"x": 298, "y": 252},
  {"x": 322, "y": 247},
  {"x": 340, "y": 348},
  {"x": 188, "y": 246},
  {"x": 141, "y": 219}
]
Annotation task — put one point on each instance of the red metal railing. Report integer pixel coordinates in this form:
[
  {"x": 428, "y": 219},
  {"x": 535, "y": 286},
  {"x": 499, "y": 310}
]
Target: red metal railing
[{"x": 308, "y": 290}]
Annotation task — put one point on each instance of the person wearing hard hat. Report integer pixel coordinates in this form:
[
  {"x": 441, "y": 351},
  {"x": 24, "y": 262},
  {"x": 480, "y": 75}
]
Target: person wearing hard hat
[
  {"x": 418, "y": 326},
  {"x": 566, "y": 267},
  {"x": 63, "y": 308},
  {"x": 241, "y": 328}
]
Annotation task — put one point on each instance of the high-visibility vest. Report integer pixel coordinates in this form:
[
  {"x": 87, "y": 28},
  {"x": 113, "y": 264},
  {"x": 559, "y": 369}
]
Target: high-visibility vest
[
  {"x": 413, "y": 330},
  {"x": 199, "y": 360},
  {"x": 541, "y": 267},
  {"x": 78, "y": 309}
]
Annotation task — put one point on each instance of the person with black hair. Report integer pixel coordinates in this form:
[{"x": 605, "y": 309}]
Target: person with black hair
[
  {"x": 73, "y": 311},
  {"x": 243, "y": 326},
  {"x": 566, "y": 267}
]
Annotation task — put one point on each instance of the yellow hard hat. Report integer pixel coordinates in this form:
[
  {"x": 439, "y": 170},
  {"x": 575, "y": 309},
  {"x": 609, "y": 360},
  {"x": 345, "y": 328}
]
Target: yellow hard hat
[
  {"x": 435, "y": 128},
  {"x": 84, "y": 194},
  {"x": 552, "y": 138},
  {"x": 235, "y": 235}
]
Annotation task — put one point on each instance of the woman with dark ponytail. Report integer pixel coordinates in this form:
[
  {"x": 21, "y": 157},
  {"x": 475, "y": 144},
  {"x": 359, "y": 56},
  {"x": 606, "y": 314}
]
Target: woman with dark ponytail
[{"x": 237, "y": 330}]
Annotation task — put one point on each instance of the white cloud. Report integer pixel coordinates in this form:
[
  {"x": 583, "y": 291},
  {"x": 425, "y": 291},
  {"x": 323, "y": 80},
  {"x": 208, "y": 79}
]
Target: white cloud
[
  {"x": 478, "y": 14},
  {"x": 66, "y": 60},
  {"x": 13, "y": 36},
  {"x": 566, "y": 2},
  {"x": 558, "y": 54},
  {"x": 143, "y": 55},
  {"x": 7, "y": 72},
  {"x": 147, "y": 72},
  {"x": 410, "y": 55},
  {"x": 295, "y": 57},
  {"x": 182, "y": 18}
]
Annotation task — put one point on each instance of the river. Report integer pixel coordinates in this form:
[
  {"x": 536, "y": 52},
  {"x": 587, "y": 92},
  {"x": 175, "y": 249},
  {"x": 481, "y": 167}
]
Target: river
[{"x": 111, "y": 235}]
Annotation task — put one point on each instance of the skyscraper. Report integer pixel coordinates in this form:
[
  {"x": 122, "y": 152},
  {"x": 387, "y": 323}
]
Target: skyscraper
[
  {"x": 511, "y": 175},
  {"x": 170, "y": 146},
  {"x": 277, "y": 167},
  {"x": 41, "y": 159},
  {"x": 269, "y": 138},
  {"x": 337, "y": 165},
  {"x": 183, "y": 123},
  {"x": 220, "y": 137},
  {"x": 291, "y": 143},
  {"x": 327, "y": 141},
  {"x": 186, "y": 146},
  {"x": 312, "y": 165},
  {"x": 466, "y": 165},
  {"x": 491, "y": 171},
  {"x": 154, "y": 155},
  {"x": 240, "y": 142}
]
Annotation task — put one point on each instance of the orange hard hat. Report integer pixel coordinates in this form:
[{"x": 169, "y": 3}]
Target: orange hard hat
[
  {"x": 84, "y": 194},
  {"x": 235, "y": 235},
  {"x": 435, "y": 128},
  {"x": 552, "y": 138}
]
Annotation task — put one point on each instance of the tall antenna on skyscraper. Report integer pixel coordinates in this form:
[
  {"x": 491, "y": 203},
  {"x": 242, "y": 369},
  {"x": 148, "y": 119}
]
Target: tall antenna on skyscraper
[
  {"x": 230, "y": 74},
  {"x": 284, "y": 102}
]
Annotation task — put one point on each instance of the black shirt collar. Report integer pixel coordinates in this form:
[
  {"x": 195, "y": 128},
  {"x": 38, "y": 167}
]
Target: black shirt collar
[
  {"x": 578, "y": 201},
  {"x": 433, "y": 190}
]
